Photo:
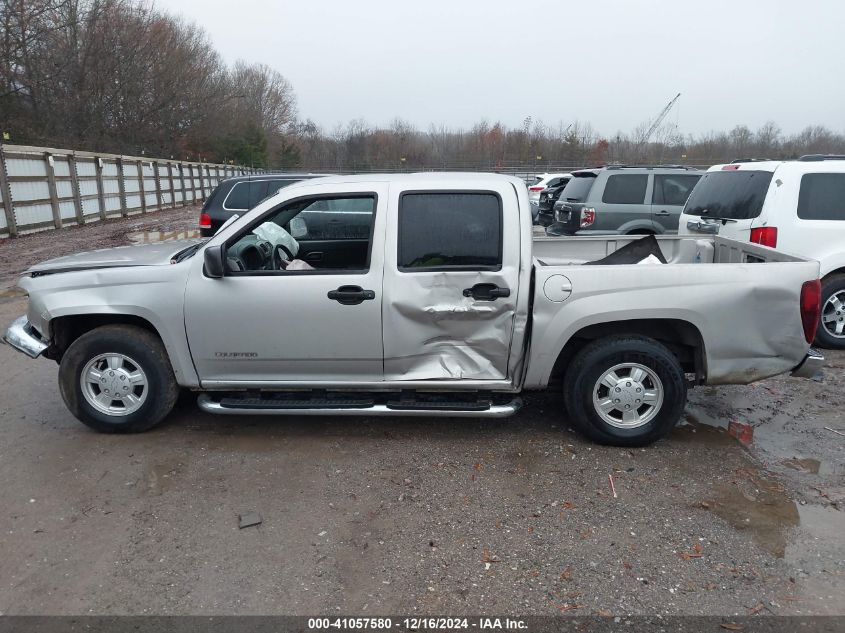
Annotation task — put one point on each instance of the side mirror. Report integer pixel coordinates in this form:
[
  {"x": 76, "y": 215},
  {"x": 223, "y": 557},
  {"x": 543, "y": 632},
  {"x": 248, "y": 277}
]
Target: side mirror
[{"x": 213, "y": 260}]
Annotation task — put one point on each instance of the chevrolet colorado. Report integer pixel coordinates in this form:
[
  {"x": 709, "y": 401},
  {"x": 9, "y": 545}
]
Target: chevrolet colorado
[{"x": 429, "y": 296}]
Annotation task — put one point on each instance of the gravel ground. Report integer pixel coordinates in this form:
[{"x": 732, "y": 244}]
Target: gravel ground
[{"x": 417, "y": 516}]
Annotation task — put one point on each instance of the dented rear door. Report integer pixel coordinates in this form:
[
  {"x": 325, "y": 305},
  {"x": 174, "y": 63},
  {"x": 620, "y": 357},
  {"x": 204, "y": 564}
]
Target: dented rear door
[{"x": 452, "y": 271}]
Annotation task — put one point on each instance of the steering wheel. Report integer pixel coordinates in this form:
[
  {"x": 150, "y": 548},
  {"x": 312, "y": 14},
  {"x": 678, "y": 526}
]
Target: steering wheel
[{"x": 281, "y": 255}]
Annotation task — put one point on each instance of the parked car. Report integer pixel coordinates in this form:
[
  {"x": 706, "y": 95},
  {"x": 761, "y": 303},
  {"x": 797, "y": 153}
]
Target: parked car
[
  {"x": 449, "y": 307},
  {"x": 623, "y": 200},
  {"x": 240, "y": 194},
  {"x": 540, "y": 182},
  {"x": 546, "y": 204},
  {"x": 797, "y": 206}
]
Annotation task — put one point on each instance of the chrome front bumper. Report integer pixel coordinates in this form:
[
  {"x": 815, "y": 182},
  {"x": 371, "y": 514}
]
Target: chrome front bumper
[
  {"x": 810, "y": 366},
  {"x": 24, "y": 338}
]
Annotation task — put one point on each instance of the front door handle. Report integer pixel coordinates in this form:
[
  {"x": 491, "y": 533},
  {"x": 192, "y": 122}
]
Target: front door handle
[
  {"x": 663, "y": 213},
  {"x": 351, "y": 295},
  {"x": 486, "y": 292}
]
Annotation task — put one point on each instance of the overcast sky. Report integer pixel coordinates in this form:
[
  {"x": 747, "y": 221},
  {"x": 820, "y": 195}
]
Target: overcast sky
[{"x": 613, "y": 63}]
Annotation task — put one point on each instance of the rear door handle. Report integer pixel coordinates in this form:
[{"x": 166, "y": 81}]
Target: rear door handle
[
  {"x": 486, "y": 292},
  {"x": 314, "y": 256},
  {"x": 663, "y": 213},
  {"x": 351, "y": 295}
]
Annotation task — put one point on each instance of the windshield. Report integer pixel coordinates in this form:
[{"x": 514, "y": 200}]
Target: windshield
[
  {"x": 730, "y": 195},
  {"x": 578, "y": 188}
]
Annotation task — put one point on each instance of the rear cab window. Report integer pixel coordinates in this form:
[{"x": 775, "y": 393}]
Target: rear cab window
[
  {"x": 732, "y": 195},
  {"x": 822, "y": 197},
  {"x": 625, "y": 189},
  {"x": 450, "y": 231}
]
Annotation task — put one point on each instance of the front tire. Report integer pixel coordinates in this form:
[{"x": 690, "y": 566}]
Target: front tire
[
  {"x": 118, "y": 379},
  {"x": 831, "y": 332},
  {"x": 625, "y": 391}
]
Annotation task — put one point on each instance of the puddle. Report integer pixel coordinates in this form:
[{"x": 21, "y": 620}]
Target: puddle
[
  {"x": 151, "y": 237},
  {"x": 12, "y": 293},
  {"x": 817, "y": 557},
  {"x": 695, "y": 432},
  {"x": 752, "y": 502},
  {"x": 824, "y": 527},
  {"x": 759, "y": 506}
]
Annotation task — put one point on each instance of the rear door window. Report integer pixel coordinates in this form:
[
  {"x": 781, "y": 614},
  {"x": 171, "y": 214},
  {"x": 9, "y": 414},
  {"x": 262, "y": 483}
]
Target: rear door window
[
  {"x": 625, "y": 189},
  {"x": 446, "y": 230},
  {"x": 733, "y": 195},
  {"x": 822, "y": 197},
  {"x": 673, "y": 189}
]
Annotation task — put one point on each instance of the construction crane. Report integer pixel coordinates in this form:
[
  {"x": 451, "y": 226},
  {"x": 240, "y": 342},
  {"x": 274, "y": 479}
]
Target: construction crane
[{"x": 658, "y": 120}]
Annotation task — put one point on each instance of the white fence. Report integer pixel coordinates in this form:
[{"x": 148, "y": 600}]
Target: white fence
[{"x": 44, "y": 188}]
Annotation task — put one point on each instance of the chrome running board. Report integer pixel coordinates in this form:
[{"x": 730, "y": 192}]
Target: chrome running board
[{"x": 228, "y": 406}]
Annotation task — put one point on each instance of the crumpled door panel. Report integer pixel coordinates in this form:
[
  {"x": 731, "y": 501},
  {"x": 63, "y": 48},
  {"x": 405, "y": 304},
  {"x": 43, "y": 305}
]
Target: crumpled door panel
[{"x": 433, "y": 332}]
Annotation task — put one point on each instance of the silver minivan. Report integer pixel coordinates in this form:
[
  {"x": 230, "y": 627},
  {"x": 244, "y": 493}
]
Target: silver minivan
[{"x": 623, "y": 200}]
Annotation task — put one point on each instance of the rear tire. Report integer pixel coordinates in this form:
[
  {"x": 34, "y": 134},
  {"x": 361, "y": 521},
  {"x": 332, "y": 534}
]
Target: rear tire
[
  {"x": 118, "y": 379},
  {"x": 625, "y": 391},
  {"x": 833, "y": 301}
]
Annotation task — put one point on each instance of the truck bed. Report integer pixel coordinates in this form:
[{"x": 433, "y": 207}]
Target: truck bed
[
  {"x": 677, "y": 249},
  {"x": 748, "y": 313}
]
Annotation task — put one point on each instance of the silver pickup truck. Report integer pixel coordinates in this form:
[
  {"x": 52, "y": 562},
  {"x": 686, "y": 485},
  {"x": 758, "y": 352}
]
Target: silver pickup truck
[{"x": 419, "y": 294}]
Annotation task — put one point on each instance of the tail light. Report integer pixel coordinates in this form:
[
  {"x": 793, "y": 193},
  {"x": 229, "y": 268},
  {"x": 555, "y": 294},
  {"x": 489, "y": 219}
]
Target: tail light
[
  {"x": 538, "y": 188},
  {"x": 588, "y": 216},
  {"x": 765, "y": 235},
  {"x": 205, "y": 221},
  {"x": 811, "y": 307}
]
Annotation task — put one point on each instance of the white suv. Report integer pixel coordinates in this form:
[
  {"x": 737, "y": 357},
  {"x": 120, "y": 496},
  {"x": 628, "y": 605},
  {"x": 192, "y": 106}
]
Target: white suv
[{"x": 797, "y": 206}]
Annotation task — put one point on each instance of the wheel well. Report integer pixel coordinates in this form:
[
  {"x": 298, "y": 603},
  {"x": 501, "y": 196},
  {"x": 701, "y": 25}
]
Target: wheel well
[
  {"x": 681, "y": 337},
  {"x": 640, "y": 232},
  {"x": 838, "y": 271},
  {"x": 65, "y": 330}
]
